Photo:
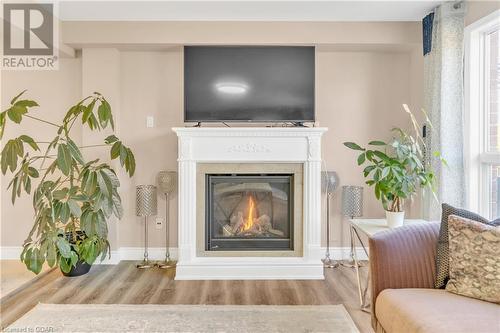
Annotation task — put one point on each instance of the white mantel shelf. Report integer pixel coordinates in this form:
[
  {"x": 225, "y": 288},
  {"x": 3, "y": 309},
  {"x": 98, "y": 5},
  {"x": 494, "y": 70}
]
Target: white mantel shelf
[{"x": 251, "y": 145}]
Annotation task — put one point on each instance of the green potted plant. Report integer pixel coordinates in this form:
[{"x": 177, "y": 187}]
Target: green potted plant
[
  {"x": 396, "y": 169},
  {"x": 74, "y": 198}
]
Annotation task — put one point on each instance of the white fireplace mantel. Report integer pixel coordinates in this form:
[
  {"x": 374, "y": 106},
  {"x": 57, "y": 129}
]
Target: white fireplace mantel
[{"x": 249, "y": 145}]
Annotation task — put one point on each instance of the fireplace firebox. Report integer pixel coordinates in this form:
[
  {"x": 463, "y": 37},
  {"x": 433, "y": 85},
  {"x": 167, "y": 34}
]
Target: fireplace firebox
[{"x": 249, "y": 212}]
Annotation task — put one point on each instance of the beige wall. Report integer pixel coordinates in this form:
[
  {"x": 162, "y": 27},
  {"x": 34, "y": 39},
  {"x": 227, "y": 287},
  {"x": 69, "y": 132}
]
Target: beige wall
[
  {"x": 151, "y": 86},
  {"x": 359, "y": 97},
  {"x": 55, "y": 91},
  {"x": 478, "y": 9}
]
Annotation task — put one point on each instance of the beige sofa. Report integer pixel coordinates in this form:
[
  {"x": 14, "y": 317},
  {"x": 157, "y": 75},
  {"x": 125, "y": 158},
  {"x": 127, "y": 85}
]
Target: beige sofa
[{"x": 402, "y": 263}]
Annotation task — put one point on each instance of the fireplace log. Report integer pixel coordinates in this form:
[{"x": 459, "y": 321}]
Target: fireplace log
[
  {"x": 227, "y": 230},
  {"x": 276, "y": 232}
]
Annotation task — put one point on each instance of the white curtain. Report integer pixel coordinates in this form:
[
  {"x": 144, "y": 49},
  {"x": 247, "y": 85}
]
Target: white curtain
[{"x": 443, "y": 100}]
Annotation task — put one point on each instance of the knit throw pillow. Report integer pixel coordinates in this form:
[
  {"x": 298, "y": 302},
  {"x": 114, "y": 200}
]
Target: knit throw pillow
[
  {"x": 474, "y": 259},
  {"x": 442, "y": 254}
]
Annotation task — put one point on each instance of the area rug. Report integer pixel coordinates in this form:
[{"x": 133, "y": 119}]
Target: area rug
[{"x": 184, "y": 318}]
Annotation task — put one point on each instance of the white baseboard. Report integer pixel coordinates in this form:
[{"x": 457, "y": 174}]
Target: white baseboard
[
  {"x": 158, "y": 253},
  {"x": 10, "y": 252}
]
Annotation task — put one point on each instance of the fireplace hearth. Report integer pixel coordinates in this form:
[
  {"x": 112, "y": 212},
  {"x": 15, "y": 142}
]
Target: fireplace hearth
[{"x": 249, "y": 212}]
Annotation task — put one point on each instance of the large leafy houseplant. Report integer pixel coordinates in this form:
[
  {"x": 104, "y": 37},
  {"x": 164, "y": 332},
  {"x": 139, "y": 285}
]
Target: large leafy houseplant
[
  {"x": 398, "y": 168},
  {"x": 74, "y": 197}
]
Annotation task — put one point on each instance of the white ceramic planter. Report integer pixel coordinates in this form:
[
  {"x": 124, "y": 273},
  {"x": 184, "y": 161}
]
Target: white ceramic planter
[{"x": 394, "y": 219}]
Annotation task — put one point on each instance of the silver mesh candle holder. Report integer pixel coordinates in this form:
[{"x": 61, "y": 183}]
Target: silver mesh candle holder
[
  {"x": 352, "y": 201},
  {"x": 352, "y": 206},
  {"x": 146, "y": 205},
  {"x": 167, "y": 183}
]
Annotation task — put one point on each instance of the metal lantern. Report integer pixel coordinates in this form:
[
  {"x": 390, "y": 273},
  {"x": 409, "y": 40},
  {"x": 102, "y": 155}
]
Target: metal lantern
[
  {"x": 329, "y": 183},
  {"x": 352, "y": 201},
  {"x": 167, "y": 183},
  {"x": 146, "y": 205},
  {"x": 146, "y": 200},
  {"x": 352, "y": 206}
]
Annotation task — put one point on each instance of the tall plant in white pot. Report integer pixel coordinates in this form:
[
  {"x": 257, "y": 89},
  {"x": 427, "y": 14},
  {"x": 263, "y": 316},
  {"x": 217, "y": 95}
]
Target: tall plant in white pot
[{"x": 396, "y": 169}]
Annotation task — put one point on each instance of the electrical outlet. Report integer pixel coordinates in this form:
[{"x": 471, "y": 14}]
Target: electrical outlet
[
  {"x": 159, "y": 222},
  {"x": 150, "y": 121}
]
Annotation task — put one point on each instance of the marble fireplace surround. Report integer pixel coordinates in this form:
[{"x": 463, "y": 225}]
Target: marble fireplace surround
[{"x": 199, "y": 147}]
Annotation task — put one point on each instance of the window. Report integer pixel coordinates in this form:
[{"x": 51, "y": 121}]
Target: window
[{"x": 482, "y": 115}]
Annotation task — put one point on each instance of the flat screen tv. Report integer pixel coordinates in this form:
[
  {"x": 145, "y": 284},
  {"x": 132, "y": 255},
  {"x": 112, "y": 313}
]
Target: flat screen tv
[{"x": 249, "y": 84}]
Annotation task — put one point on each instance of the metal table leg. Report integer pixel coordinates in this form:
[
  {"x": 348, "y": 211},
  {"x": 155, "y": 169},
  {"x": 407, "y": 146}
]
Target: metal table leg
[{"x": 362, "y": 292}]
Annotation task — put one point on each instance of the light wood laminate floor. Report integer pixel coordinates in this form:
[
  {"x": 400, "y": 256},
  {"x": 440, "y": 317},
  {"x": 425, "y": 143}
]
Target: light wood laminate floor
[{"x": 125, "y": 284}]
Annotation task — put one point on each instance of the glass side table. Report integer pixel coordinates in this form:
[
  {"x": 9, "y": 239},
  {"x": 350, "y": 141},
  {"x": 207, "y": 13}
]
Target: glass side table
[{"x": 360, "y": 229}]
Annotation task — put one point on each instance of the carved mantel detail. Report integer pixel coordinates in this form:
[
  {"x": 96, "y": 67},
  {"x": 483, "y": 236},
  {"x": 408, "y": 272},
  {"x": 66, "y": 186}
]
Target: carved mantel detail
[{"x": 249, "y": 148}]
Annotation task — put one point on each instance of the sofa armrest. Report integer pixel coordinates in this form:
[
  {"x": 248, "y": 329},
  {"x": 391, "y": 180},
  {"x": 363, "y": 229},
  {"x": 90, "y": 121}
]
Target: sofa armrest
[{"x": 403, "y": 258}]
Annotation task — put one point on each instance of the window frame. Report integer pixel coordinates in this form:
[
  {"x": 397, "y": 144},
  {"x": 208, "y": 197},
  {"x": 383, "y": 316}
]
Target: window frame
[{"x": 478, "y": 159}]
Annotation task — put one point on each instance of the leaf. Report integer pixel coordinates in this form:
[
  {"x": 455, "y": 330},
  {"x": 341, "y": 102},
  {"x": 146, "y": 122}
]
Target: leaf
[
  {"x": 35, "y": 262},
  {"x": 2, "y": 123},
  {"x": 51, "y": 255},
  {"x": 123, "y": 154},
  {"x": 87, "y": 112},
  {"x": 26, "y": 103},
  {"x": 381, "y": 155},
  {"x": 86, "y": 222},
  {"x": 115, "y": 150},
  {"x": 65, "y": 264},
  {"x": 29, "y": 141},
  {"x": 354, "y": 146},
  {"x": 117, "y": 206},
  {"x": 131, "y": 162},
  {"x": 377, "y": 143},
  {"x": 15, "y": 114},
  {"x": 32, "y": 172},
  {"x": 361, "y": 159},
  {"x": 74, "y": 208},
  {"x": 65, "y": 213},
  {"x": 110, "y": 114},
  {"x": 102, "y": 226},
  {"x": 111, "y": 139},
  {"x": 10, "y": 155},
  {"x": 74, "y": 258},
  {"x": 64, "y": 159},
  {"x": 17, "y": 97},
  {"x": 385, "y": 172},
  {"x": 27, "y": 185},
  {"x": 105, "y": 184},
  {"x": 103, "y": 114},
  {"x": 60, "y": 194},
  {"x": 64, "y": 247},
  {"x": 75, "y": 151},
  {"x": 112, "y": 176}
]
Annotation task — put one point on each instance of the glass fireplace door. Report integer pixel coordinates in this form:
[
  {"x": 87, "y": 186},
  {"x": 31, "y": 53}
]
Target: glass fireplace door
[{"x": 249, "y": 212}]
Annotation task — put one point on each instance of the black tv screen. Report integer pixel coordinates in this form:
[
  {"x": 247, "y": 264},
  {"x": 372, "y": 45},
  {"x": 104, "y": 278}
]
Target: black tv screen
[{"x": 248, "y": 83}]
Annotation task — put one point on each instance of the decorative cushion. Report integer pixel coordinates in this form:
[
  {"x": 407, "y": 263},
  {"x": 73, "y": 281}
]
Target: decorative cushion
[
  {"x": 474, "y": 259},
  {"x": 442, "y": 254}
]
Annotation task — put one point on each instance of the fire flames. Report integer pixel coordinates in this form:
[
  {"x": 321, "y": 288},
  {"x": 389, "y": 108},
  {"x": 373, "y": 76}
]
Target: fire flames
[{"x": 249, "y": 222}]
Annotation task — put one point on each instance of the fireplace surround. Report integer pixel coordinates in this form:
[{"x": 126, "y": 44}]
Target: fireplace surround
[
  {"x": 244, "y": 180},
  {"x": 288, "y": 163}
]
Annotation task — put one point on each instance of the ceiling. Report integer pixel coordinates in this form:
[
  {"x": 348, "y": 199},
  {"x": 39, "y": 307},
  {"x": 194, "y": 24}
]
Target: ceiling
[{"x": 256, "y": 10}]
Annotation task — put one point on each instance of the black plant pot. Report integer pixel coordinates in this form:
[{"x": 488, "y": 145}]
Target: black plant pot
[{"x": 81, "y": 268}]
